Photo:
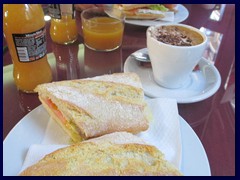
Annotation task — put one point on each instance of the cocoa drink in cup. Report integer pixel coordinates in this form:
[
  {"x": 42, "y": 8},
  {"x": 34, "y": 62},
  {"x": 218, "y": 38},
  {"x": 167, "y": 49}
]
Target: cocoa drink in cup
[{"x": 174, "y": 50}]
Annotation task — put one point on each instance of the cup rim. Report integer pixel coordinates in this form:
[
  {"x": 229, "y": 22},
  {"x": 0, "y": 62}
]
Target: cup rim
[
  {"x": 205, "y": 39},
  {"x": 103, "y": 9}
]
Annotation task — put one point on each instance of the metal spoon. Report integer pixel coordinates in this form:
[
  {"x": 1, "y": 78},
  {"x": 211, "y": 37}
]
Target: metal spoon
[{"x": 140, "y": 56}]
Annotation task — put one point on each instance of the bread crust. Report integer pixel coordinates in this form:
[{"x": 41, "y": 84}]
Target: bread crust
[
  {"x": 105, "y": 159},
  {"x": 132, "y": 15},
  {"x": 127, "y": 7}
]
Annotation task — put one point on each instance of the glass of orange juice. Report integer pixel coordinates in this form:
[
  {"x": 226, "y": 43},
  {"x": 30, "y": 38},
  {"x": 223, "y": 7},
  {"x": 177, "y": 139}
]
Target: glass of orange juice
[
  {"x": 103, "y": 28},
  {"x": 63, "y": 29}
]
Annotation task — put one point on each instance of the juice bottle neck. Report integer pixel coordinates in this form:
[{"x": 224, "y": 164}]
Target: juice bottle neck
[
  {"x": 64, "y": 18},
  {"x": 64, "y": 12}
]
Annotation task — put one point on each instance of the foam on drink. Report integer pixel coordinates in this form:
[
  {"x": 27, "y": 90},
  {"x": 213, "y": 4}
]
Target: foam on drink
[{"x": 176, "y": 35}]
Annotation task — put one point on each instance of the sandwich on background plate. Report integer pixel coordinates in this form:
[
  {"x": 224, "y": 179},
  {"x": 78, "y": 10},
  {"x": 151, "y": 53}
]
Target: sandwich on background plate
[
  {"x": 92, "y": 107},
  {"x": 146, "y": 11},
  {"x": 115, "y": 154}
]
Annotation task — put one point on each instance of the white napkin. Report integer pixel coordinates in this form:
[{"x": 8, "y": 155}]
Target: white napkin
[
  {"x": 164, "y": 133},
  {"x": 37, "y": 152}
]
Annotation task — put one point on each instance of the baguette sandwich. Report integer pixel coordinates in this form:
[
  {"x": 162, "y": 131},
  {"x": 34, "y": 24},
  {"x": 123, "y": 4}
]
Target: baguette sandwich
[
  {"x": 146, "y": 11},
  {"x": 116, "y": 154},
  {"x": 92, "y": 107}
]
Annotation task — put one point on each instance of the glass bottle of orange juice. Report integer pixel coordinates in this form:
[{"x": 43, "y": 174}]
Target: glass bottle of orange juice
[
  {"x": 63, "y": 29},
  {"x": 25, "y": 33}
]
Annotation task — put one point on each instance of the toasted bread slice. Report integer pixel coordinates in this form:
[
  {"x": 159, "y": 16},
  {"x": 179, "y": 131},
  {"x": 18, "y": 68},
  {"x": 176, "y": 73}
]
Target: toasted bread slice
[
  {"x": 92, "y": 107},
  {"x": 103, "y": 159}
]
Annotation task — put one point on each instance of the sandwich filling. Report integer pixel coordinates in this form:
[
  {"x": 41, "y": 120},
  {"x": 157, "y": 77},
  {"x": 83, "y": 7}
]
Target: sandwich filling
[
  {"x": 66, "y": 124},
  {"x": 56, "y": 111}
]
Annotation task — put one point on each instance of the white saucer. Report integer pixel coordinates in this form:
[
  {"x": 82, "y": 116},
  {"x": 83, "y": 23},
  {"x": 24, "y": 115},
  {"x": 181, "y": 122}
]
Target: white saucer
[{"x": 204, "y": 82}]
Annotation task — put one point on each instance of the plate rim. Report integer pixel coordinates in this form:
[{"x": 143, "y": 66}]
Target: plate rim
[
  {"x": 40, "y": 109},
  {"x": 191, "y": 99}
]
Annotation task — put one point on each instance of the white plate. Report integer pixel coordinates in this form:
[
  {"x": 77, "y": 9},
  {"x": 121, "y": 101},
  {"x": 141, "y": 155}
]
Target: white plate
[
  {"x": 180, "y": 16},
  {"x": 30, "y": 130},
  {"x": 204, "y": 82}
]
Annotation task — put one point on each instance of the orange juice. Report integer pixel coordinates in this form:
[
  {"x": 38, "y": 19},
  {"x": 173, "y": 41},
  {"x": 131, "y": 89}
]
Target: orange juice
[
  {"x": 103, "y": 33},
  {"x": 24, "y": 30},
  {"x": 64, "y": 30}
]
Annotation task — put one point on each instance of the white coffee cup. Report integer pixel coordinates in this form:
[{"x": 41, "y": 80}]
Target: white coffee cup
[{"x": 171, "y": 64}]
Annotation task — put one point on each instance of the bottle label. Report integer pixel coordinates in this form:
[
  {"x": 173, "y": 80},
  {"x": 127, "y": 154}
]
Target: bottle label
[
  {"x": 31, "y": 46},
  {"x": 58, "y": 10}
]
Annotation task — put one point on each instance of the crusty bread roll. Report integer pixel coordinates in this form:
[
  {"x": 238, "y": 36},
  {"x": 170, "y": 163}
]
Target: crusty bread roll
[
  {"x": 144, "y": 11},
  {"x": 92, "y": 107},
  {"x": 120, "y": 154}
]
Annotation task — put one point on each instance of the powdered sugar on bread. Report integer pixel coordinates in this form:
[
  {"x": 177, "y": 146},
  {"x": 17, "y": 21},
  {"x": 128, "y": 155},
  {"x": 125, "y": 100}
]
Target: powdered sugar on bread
[
  {"x": 124, "y": 78},
  {"x": 106, "y": 115}
]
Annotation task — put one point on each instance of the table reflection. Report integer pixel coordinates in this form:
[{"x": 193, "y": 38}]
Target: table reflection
[
  {"x": 229, "y": 86},
  {"x": 25, "y": 101},
  {"x": 218, "y": 12},
  {"x": 214, "y": 42},
  {"x": 77, "y": 61},
  {"x": 67, "y": 65},
  {"x": 96, "y": 62}
]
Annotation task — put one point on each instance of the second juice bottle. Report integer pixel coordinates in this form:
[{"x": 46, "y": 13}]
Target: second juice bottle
[{"x": 63, "y": 28}]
